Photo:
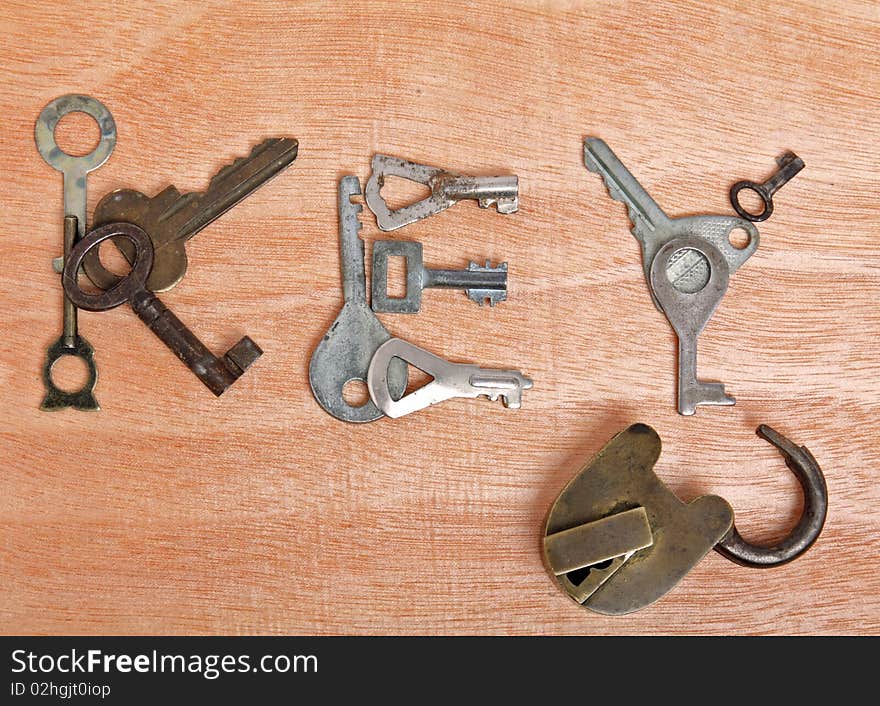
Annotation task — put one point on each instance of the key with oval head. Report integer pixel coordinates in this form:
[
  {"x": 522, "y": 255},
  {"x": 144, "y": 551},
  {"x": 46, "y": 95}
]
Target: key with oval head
[
  {"x": 687, "y": 262},
  {"x": 344, "y": 354},
  {"x": 75, "y": 171},
  {"x": 216, "y": 373},
  {"x": 171, "y": 218}
]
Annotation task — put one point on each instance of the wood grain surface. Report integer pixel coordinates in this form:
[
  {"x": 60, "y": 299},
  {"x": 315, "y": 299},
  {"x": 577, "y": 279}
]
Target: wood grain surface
[{"x": 170, "y": 511}]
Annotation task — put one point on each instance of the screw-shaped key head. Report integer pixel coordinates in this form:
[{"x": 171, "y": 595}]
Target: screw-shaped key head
[{"x": 216, "y": 373}]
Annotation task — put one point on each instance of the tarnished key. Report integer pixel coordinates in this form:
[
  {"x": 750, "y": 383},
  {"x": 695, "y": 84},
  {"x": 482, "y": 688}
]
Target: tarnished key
[
  {"x": 171, "y": 218},
  {"x": 480, "y": 283},
  {"x": 687, "y": 262},
  {"x": 216, "y": 373},
  {"x": 446, "y": 189},
  {"x": 449, "y": 380},
  {"x": 75, "y": 170},
  {"x": 345, "y": 351}
]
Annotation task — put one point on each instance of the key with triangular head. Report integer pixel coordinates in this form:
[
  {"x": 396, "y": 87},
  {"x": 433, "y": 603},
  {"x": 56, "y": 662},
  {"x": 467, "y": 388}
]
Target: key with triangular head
[
  {"x": 171, "y": 218},
  {"x": 687, "y": 261}
]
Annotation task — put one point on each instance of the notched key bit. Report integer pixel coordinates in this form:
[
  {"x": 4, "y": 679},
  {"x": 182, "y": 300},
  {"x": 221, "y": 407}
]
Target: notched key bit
[
  {"x": 449, "y": 380},
  {"x": 171, "y": 218},
  {"x": 446, "y": 189}
]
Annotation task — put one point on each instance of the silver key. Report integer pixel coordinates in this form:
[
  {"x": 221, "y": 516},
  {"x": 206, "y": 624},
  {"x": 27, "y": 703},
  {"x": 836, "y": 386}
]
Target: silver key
[
  {"x": 345, "y": 352},
  {"x": 450, "y": 380},
  {"x": 74, "y": 168},
  {"x": 446, "y": 189},
  {"x": 687, "y": 262}
]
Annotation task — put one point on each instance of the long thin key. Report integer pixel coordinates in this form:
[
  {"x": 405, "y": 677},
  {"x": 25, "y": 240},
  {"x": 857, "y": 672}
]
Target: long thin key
[
  {"x": 171, "y": 218},
  {"x": 344, "y": 354},
  {"x": 687, "y": 262},
  {"x": 216, "y": 373},
  {"x": 70, "y": 343},
  {"x": 446, "y": 189},
  {"x": 75, "y": 169},
  {"x": 479, "y": 283},
  {"x": 450, "y": 380}
]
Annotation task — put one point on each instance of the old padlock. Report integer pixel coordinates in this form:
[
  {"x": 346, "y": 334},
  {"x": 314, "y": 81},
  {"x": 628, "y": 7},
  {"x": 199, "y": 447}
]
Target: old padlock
[{"x": 617, "y": 539}]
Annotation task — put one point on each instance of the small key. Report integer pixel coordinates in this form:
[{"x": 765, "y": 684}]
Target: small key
[
  {"x": 344, "y": 354},
  {"x": 789, "y": 164},
  {"x": 446, "y": 189},
  {"x": 171, "y": 218},
  {"x": 70, "y": 343},
  {"x": 75, "y": 169},
  {"x": 480, "y": 283},
  {"x": 450, "y": 380},
  {"x": 216, "y": 373},
  {"x": 687, "y": 283}
]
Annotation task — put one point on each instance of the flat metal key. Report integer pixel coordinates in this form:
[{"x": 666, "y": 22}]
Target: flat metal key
[
  {"x": 447, "y": 189},
  {"x": 449, "y": 380},
  {"x": 345, "y": 351},
  {"x": 171, "y": 218},
  {"x": 216, "y": 373},
  {"x": 687, "y": 262},
  {"x": 480, "y": 283},
  {"x": 75, "y": 170}
]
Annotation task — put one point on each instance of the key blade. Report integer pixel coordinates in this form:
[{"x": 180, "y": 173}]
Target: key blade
[
  {"x": 234, "y": 182},
  {"x": 506, "y": 384},
  {"x": 622, "y": 186},
  {"x": 351, "y": 247}
]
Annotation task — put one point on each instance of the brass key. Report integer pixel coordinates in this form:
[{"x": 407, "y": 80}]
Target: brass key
[{"x": 171, "y": 218}]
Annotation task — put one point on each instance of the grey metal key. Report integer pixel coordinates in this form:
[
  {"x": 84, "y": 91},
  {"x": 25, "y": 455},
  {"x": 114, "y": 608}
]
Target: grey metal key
[
  {"x": 446, "y": 189},
  {"x": 687, "y": 262},
  {"x": 480, "y": 283},
  {"x": 75, "y": 171},
  {"x": 449, "y": 380},
  {"x": 171, "y": 218},
  {"x": 345, "y": 351}
]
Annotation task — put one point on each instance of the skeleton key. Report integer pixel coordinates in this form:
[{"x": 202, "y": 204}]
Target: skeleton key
[
  {"x": 449, "y": 380},
  {"x": 344, "y": 354},
  {"x": 171, "y": 218},
  {"x": 216, "y": 373},
  {"x": 75, "y": 171},
  {"x": 687, "y": 262}
]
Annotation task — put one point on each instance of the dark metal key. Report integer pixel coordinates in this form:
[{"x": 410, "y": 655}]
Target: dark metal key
[
  {"x": 171, "y": 218},
  {"x": 216, "y": 373}
]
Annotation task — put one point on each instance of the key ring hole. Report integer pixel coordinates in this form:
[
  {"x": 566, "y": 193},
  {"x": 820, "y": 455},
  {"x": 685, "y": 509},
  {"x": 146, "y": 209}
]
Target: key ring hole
[
  {"x": 70, "y": 373},
  {"x": 355, "y": 393},
  {"x": 739, "y": 238},
  {"x": 122, "y": 291},
  {"x": 47, "y": 122},
  {"x": 77, "y": 134},
  {"x": 755, "y": 197}
]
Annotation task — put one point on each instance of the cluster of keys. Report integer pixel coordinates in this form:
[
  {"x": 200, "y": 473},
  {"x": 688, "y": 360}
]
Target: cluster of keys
[
  {"x": 357, "y": 347},
  {"x": 617, "y": 538},
  {"x": 151, "y": 232}
]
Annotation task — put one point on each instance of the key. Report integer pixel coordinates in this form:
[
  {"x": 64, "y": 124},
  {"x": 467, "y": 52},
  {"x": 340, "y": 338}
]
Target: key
[
  {"x": 75, "y": 169},
  {"x": 344, "y": 354},
  {"x": 480, "y": 283},
  {"x": 450, "y": 380},
  {"x": 789, "y": 164},
  {"x": 171, "y": 218},
  {"x": 75, "y": 172},
  {"x": 687, "y": 283},
  {"x": 216, "y": 373},
  {"x": 446, "y": 189},
  {"x": 70, "y": 343}
]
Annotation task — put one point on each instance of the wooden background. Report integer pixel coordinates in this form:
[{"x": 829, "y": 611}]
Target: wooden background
[{"x": 173, "y": 512}]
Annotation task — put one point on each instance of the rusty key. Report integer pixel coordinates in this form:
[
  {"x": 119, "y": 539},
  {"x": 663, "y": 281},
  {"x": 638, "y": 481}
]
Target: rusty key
[{"x": 216, "y": 373}]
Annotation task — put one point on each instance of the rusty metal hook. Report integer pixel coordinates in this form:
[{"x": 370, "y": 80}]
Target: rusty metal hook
[{"x": 801, "y": 462}]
